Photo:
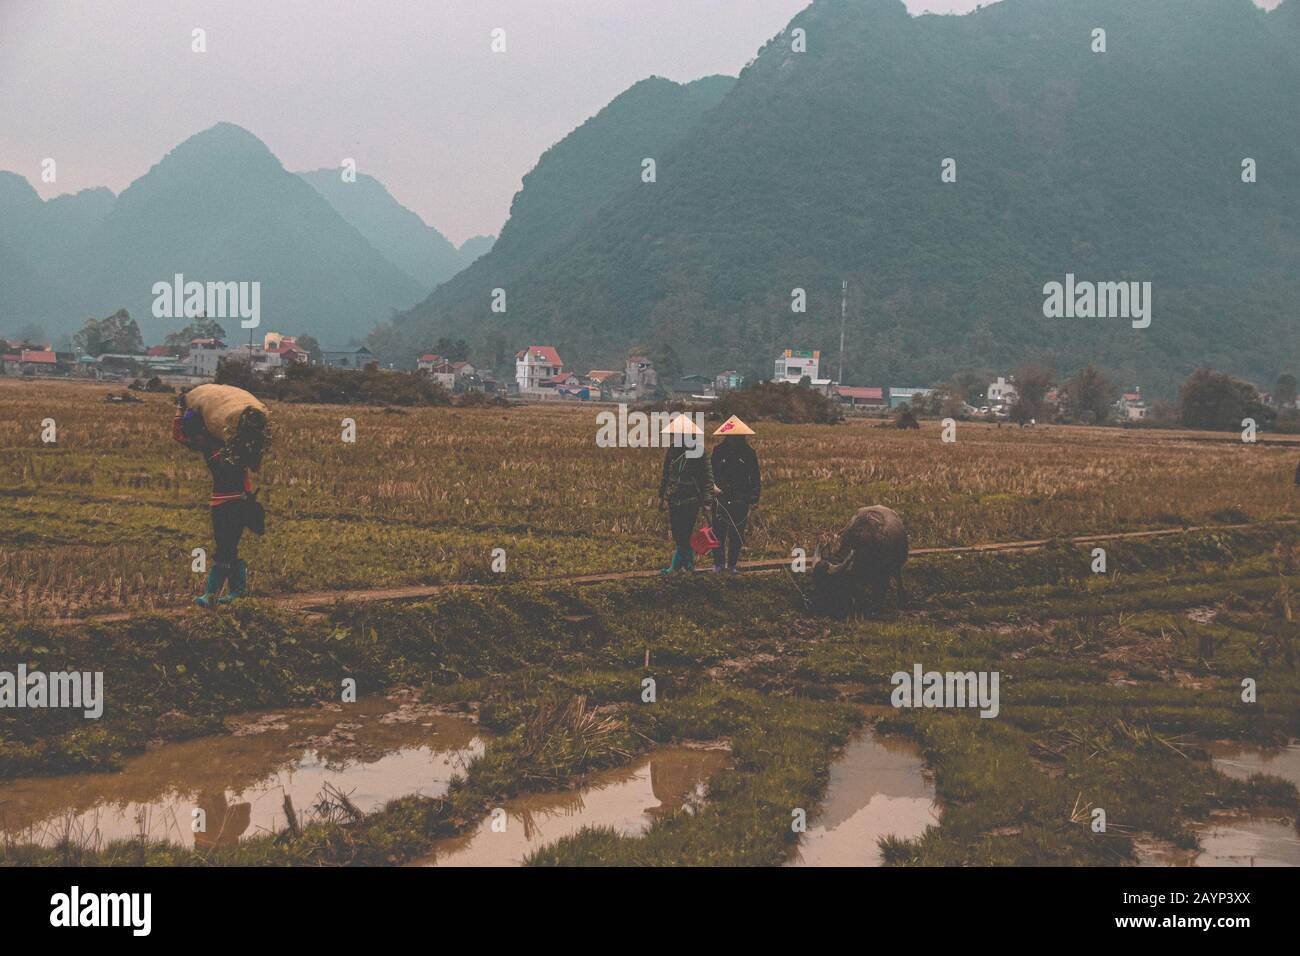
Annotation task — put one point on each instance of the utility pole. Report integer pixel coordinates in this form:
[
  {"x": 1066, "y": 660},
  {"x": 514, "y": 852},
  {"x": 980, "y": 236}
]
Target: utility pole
[{"x": 844, "y": 309}]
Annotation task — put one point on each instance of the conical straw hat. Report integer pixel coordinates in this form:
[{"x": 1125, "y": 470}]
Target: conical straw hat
[
  {"x": 734, "y": 426},
  {"x": 682, "y": 425}
]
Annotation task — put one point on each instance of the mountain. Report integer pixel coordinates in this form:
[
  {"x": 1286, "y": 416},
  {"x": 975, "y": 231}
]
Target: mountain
[
  {"x": 38, "y": 242},
  {"x": 475, "y": 246},
  {"x": 218, "y": 207},
  {"x": 824, "y": 166},
  {"x": 563, "y": 194},
  {"x": 400, "y": 235}
]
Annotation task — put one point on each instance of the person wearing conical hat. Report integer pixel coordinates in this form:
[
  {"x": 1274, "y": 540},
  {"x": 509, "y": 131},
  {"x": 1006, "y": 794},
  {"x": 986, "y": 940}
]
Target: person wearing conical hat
[
  {"x": 735, "y": 469},
  {"x": 686, "y": 486}
]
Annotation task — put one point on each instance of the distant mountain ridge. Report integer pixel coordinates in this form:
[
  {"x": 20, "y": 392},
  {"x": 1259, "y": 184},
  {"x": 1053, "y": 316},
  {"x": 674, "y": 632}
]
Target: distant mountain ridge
[
  {"x": 415, "y": 247},
  {"x": 823, "y": 166},
  {"x": 217, "y": 207}
]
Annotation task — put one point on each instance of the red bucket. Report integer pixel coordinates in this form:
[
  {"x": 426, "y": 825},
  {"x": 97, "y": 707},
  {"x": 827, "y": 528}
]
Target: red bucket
[{"x": 704, "y": 540}]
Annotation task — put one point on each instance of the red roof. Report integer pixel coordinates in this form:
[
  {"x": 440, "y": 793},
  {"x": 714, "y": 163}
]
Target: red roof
[
  {"x": 545, "y": 352},
  {"x": 431, "y": 357},
  {"x": 1132, "y": 397},
  {"x": 45, "y": 358},
  {"x": 12, "y": 357},
  {"x": 599, "y": 375},
  {"x": 159, "y": 350},
  {"x": 854, "y": 391}
]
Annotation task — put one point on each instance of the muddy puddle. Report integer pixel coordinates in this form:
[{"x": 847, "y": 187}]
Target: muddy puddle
[
  {"x": 1234, "y": 838},
  {"x": 878, "y": 787},
  {"x": 371, "y": 751},
  {"x": 628, "y": 800}
]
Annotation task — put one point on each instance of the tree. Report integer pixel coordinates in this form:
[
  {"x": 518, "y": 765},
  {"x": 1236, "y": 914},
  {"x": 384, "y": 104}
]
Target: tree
[
  {"x": 1215, "y": 400},
  {"x": 200, "y": 328},
  {"x": 452, "y": 350},
  {"x": 118, "y": 334},
  {"x": 970, "y": 387},
  {"x": 668, "y": 364},
  {"x": 1285, "y": 390},
  {"x": 309, "y": 345},
  {"x": 1090, "y": 395},
  {"x": 31, "y": 336},
  {"x": 1032, "y": 385}
]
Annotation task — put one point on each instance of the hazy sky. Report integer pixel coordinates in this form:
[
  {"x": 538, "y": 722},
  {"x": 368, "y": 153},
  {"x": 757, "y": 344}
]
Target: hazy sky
[{"x": 408, "y": 88}]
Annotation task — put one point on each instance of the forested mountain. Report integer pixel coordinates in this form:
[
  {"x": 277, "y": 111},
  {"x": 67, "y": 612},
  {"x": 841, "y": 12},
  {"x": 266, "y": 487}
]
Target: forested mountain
[{"x": 825, "y": 165}]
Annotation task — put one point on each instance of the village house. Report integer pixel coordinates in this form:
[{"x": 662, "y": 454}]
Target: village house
[
  {"x": 290, "y": 354},
  {"x": 1132, "y": 407},
  {"x": 353, "y": 359},
  {"x": 640, "y": 380},
  {"x": 862, "y": 396},
  {"x": 793, "y": 365},
  {"x": 427, "y": 361},
  {"x": 905, "y": 395},
  {"x": 536, "y": 366},
  {"x": 38, "y": 362},
  {"x": 1002, "y": 392},
  {"x": 692, "y": 387},
  {"x": 727, "y": 381},
  {"x": 603, "y": 382},
  {"x": 444, "y": 373},
  {"x": 204, "y": 355}
]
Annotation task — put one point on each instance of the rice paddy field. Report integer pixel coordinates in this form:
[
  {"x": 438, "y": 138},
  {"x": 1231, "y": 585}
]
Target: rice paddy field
[
  {"x": 106, "y": 518},
  {"x": 685, "y": 720}
]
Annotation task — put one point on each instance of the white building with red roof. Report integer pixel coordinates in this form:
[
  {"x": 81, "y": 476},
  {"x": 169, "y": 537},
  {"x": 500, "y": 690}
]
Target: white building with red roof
[{"x": 536, "y": 366}]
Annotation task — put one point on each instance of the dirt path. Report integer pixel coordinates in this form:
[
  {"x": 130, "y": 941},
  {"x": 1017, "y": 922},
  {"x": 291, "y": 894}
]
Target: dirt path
[{"x": 319, "y": 602}]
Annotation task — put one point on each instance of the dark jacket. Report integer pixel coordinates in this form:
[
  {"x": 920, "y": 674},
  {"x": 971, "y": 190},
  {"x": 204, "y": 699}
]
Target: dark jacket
[
  {"x": 735, "y": 470},
  {"x": 685, "y": 479},
  {"x": 230, "y": 482}
]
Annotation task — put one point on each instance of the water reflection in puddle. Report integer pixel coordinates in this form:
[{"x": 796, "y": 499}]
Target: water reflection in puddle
[
  {"x": 879, "y": 787},
  {"x": 373, "y": 751},
  {"x": 626, "y": 800},
  {"x": 1238, "y": 839}
]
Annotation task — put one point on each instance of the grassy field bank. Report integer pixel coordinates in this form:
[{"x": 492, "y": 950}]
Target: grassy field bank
[{"x": 1109, "y": 685}]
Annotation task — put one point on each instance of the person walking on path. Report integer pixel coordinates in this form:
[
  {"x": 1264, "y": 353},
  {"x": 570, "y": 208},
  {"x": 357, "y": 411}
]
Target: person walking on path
[
  {"x": 735, "y": 469},
  {"x": 685, "y": 488}
]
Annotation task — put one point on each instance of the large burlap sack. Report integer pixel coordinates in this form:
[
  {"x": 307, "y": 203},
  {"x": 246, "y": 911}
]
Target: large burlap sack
[
  {"x": 236, "y": 418},
  {"x": 221, "y": 406}
]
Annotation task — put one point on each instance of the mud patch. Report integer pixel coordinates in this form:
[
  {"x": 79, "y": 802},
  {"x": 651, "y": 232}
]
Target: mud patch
[
  {"x": 878, "y": 787},
  {"x": 627, "y": 800},
  {"x": 240, "y": 781},
  {"x": 1240, "y": 761}
]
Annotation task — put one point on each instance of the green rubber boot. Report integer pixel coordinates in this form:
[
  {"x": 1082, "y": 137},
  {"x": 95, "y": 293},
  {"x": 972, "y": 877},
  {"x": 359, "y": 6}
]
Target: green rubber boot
[
  {"x": 216, "y": 578},
  {"x": 238, "y": 584},
  {"x": 674, "y": 564}
]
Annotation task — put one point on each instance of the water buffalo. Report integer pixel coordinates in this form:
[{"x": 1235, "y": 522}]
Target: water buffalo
[{"x": 871, "y": 551}]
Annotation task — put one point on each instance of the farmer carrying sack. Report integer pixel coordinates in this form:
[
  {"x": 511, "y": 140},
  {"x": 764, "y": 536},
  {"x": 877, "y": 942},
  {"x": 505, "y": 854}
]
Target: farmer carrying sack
[{"x": 235, "y": 418}]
